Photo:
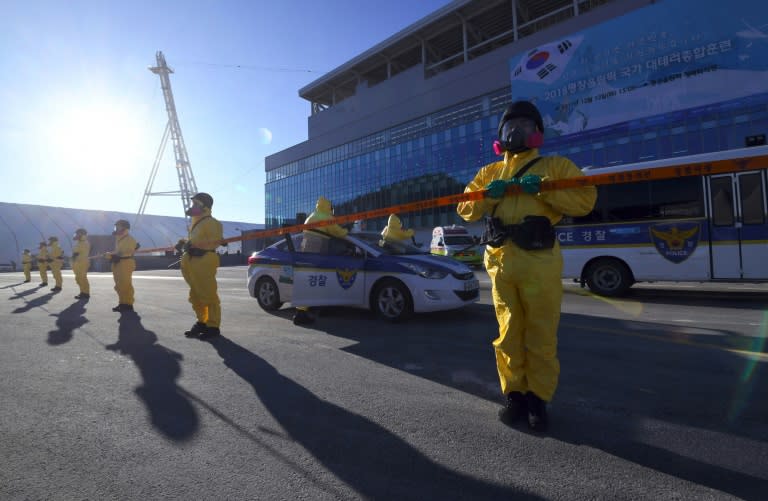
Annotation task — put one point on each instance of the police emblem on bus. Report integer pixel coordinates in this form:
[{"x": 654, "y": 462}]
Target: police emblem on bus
[
  {"x": 346, "y": 278},
  {"x": 675, "y": 241}
]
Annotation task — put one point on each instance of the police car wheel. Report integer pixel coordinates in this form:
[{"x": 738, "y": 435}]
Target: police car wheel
[
  {"x": 267, "y": 294},
  {"x": 392, "y": 301},
  {"x": 608, "y": 277}
]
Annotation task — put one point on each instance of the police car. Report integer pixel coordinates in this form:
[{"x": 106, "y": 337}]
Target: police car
[{"x": 393, "y": 279}]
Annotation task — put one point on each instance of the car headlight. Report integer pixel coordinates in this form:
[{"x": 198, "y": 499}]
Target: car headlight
[{"x": 425, "y": 271}]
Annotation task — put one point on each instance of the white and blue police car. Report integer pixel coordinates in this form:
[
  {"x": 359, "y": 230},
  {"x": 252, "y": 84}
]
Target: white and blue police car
[{"x": 393, "y": 279}]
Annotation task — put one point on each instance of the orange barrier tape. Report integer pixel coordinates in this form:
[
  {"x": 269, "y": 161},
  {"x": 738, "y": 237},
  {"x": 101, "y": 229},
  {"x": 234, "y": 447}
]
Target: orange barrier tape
[{"x": 653, "y": 174}]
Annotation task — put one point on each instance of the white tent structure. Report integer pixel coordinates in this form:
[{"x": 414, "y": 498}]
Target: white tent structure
[{"x": 25, "y": 226}]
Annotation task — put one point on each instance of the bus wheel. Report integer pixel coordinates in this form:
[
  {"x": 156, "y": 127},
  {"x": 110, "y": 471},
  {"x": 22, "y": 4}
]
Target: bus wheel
[{"x": 608, "y": 277}]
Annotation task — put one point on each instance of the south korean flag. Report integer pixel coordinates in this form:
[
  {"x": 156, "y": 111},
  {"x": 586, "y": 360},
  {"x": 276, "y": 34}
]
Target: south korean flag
[{"x": 546, "y": 63}]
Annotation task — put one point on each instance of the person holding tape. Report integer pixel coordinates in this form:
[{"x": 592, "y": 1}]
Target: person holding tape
[
  {"x": 198, "y": 266},
  {"x": 26, "y": 265},
  {"x": 313, "y": 240},
  {"x": 123, "y": 265},
  {"x": 523, "y": 258},
  {"x": 42, "y": 263},
  {"x": 81, "y": 263},
  {"x": 56, "y": 262}
]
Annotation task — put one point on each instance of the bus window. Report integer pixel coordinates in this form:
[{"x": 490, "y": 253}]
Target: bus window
[
  {"x": 675, "y": 198},
  {"x": 625, "y": 202},
  {"x": 722, "y": 201},
  {"x": 751, "y": 192}
]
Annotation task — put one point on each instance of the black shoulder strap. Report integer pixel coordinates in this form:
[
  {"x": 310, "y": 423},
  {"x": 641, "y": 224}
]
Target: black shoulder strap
[{"x": 526, "y": 167}]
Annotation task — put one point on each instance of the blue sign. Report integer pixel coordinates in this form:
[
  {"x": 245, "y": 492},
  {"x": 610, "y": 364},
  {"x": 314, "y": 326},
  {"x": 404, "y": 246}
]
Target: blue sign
[{"x": 669, "y": 56}]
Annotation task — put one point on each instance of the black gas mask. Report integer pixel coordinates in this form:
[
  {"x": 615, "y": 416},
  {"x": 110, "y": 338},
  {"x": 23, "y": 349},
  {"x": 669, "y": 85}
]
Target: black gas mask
[{"x": 519, "y": 134}]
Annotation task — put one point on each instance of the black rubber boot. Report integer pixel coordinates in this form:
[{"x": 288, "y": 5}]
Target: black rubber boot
[
  {"x": 56, "y": 289},
  {"x": 196, "y": 329},
  {"x": 83, "y": 295},
  {"x": 515, "y": 408},
  {"x": 537, "y": 412},
  {"x": 123, "y": 307},
  {"x": 302, "y": 317},
  {"x": 209, "y": 333}
]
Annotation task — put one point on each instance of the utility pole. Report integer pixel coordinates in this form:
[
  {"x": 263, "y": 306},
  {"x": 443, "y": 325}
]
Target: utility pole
[{"x": 187, "y": 185}]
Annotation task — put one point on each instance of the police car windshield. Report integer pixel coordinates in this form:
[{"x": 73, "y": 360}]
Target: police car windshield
[
  {"x": 459, "y": 240},
  {"x": 395, "y": 248}
]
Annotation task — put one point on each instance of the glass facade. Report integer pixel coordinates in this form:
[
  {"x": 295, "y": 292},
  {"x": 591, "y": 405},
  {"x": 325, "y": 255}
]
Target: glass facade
[{"x": 439, "y": 154}]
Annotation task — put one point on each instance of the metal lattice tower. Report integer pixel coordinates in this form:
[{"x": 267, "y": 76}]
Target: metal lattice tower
[{"x": 187, "y": 185}]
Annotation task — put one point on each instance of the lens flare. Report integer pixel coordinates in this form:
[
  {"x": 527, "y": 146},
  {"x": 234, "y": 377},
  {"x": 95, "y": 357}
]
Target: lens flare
[{"x": 744, "y": 390}]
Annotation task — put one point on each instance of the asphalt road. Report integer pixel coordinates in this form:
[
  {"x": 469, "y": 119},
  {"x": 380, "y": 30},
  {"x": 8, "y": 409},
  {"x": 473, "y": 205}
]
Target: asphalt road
[{"x": 663, "y": 395}]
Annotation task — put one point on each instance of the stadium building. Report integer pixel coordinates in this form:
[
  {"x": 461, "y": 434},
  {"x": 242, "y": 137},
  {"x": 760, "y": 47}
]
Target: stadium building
[{"x": 617, "y": 81}]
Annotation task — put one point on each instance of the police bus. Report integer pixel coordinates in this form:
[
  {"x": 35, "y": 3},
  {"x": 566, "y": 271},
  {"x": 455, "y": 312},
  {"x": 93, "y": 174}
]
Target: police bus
[{"x": 686, "y": 228}]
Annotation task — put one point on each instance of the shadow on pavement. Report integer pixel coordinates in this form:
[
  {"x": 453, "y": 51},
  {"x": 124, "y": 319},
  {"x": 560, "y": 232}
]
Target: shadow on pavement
[
  {"x": 616, "y": 376},
  {"x": 70, "y": 318},
  {"x": 9, "y": 286},
  {"x": 22, "y": 294},
  {"x": 34, "y": 303},
  {"x": 367, "y": 457},
  {"x": 171, "y": 412}
]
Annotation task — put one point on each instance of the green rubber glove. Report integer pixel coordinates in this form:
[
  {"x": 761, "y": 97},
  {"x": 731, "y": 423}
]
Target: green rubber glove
[
  {"x": 496, "y": 188},
  {"x": 531, "y": 183}
]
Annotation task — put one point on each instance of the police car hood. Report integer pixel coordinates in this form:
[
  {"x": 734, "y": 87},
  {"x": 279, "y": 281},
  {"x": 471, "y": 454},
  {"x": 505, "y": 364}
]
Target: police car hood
[{"x": 433, "y": 260}]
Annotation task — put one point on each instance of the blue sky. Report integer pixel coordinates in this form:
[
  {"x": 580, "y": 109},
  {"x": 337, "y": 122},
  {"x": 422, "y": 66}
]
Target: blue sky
[{"x": 82, "y": 117}]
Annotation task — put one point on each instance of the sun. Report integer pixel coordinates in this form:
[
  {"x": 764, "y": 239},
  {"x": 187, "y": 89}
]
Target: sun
[{"x": 97, "y": 138}]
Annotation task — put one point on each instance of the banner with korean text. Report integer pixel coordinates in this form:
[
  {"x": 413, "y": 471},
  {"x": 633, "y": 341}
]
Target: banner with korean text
[{"x": 665, "y": 57}]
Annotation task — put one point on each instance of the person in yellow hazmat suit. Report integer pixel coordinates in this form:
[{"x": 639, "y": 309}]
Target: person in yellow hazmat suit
[
  {"x": 198, "y": 266},
  {"x": 523, "y": 258},
  {"x": 123, "y": 265},
  {"x": 313, "y": 241},
  {"x": 56, "y": 262},
  {"x": 81, "y": 263},
  {"x": 394, "y": 230},
  {"x": 42, "y": 263},
  {"x": 26, "y": 265}
]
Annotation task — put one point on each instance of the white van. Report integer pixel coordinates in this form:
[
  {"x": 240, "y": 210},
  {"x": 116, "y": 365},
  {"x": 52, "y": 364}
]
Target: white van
[{"x": 456, "y": 242}]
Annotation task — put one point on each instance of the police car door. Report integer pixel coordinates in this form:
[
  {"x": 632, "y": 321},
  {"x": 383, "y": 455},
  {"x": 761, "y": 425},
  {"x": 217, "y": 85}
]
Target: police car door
[{"x": 329, "y": 273}]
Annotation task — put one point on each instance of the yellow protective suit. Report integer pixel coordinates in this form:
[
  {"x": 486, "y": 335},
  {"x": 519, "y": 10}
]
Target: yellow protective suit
[
  {"x": 394, "y": 230},
  {"x": 81, "y": 263},
  {"x": 526, "y": 285},
  {"x": 313, "y": 239},
  {"x": 56, "y": 256},
  {"x": 122, "y": 271},
  {"x": 199, "y": 272},
  {"x": 42, "y": 263},
  {"x": 26, "y": 265}
]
